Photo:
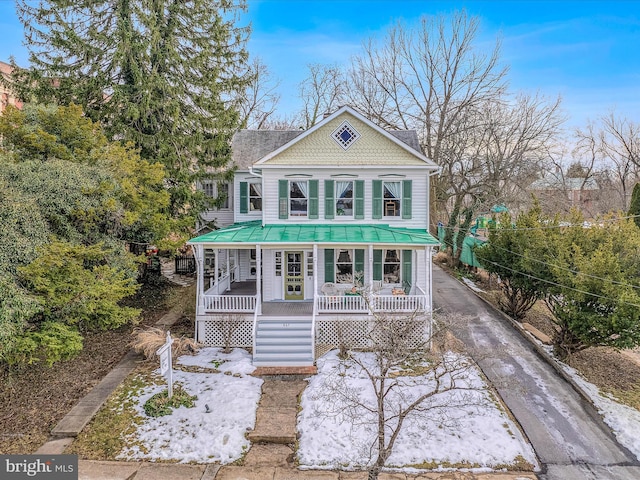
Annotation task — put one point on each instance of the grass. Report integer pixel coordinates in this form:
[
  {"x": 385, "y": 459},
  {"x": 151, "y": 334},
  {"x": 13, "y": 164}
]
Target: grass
[
  {"x": 104, "y": 437},
  {"x": 629, "y": 397}
]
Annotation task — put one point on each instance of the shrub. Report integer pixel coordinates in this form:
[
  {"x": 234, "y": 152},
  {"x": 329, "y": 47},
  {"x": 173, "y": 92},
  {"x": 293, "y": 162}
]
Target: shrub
[{"x": 148, "y": 341}]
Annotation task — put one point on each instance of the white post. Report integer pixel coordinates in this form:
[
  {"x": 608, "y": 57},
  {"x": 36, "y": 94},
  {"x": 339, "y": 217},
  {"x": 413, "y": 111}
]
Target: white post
[
  {"x": 258, "y": 279},
  {"x": 429, "y": 290},
  {"x": 198, "y": 253},
  {"x": 315, "y": 279},
  {"x": 229, "y": 267},
  {"x": 216, "y": 274},
  {"x": 370, "y": 279},
  {"x": 166, "y": 365}
]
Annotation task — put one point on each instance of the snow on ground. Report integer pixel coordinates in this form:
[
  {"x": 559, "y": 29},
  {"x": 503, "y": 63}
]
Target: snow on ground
[
  {"x": 624, "y": 421},
  {"x": 191, "y": 434},
  {"x": 333, "y": 435},
  {"x": 469, "y": 283}
]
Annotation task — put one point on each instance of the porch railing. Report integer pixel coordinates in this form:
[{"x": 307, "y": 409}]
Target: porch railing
[
  {"x": 379, "y": 303},
  {"x": 342, "y": 304},
  {"x": 400, "y": 303},
  {"x": 230, "y": 303}
]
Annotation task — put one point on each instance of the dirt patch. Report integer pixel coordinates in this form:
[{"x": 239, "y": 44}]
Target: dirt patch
[{"x": 34, "y": 399}]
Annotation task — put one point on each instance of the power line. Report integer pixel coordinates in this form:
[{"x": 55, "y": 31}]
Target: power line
[
  {"x": 576, "y": 272},
  {"x": 565, "y": 286},
  {"x": 562, "y": 286},
  {"x": 569, "y": 225}
]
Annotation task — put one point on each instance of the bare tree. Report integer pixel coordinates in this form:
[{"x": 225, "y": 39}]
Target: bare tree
[
  {"x": 260, "y": 99},
  {"x": 228, "y": 325},
  {"x": 620, "y": 142},
  {"x": 427, "y": 79},
  {"x": 399, "y": 359},
  {"x": 321, "y": 92},
  {"x": 496, "y": 153}
]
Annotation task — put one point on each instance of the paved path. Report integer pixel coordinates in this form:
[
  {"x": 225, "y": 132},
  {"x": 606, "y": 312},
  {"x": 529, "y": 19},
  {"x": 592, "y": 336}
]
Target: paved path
[{"x": 569, "y": 437}]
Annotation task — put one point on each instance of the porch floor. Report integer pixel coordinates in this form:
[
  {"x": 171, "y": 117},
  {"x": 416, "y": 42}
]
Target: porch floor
[
  {"x": 242, "y": 288},
  {"x": 287, "y": 308}
]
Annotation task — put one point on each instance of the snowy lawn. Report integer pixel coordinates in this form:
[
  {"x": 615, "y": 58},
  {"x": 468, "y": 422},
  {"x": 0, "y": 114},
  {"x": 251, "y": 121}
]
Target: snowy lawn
[
  {"x": 476, "y": 434},
  {"x": 191, "y": 434}
]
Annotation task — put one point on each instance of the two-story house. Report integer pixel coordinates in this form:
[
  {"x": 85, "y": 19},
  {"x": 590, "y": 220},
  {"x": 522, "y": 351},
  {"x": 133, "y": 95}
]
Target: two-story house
[{"x": 328, "y": 231}]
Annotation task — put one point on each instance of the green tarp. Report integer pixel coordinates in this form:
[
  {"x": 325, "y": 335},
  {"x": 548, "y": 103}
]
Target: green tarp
[{"x": 467, "y": 256}]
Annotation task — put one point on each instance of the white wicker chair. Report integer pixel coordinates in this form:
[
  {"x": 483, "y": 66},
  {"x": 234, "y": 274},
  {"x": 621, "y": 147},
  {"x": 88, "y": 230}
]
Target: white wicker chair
[{"x": 330, "y": 289}]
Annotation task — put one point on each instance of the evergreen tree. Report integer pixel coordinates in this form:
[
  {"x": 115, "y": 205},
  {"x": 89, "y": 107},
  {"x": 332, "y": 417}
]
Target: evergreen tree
[
  {"x": 634, "y": 207},
  {"x": 159, "y": 73}
]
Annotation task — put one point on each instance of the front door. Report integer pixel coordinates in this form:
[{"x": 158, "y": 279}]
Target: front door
[{"x": 294, "y": 276}]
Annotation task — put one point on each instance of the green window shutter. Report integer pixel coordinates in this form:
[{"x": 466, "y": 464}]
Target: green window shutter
[
  {"x": 329, "y": 201},
  {"x": 377, "y": 264},
  {"x": 283, "y": 199},
  {"x": 313, "y": 199},
  {"x": 358, "y": 262},
  {"x": 377, "y": 199},
  {"x": 406, "y": 269},
  {"x": 359, "y": 194},
  {"x": 406, "y": 199},
  {"x": 244, "y": 197},
  {"x": 329, "y": 265}
]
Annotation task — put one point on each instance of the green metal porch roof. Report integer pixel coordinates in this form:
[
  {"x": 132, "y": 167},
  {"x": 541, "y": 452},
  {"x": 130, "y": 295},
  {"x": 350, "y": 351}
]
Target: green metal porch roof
[{"x": 255, "y": 233}]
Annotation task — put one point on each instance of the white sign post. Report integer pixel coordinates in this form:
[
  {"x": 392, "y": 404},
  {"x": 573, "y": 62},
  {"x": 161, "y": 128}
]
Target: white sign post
[{"x": 166, "y": 368}]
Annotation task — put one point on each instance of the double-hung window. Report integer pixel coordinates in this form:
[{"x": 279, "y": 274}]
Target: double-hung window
[
  {"x": 344, "y": 198},
  {"x": 255, "y": 196},
  {"x": 344, "y": 266},
  {"x": 392, "y": 198},
  {"x": 298, "y": 198},
  {"x": 391, "y": 266}
]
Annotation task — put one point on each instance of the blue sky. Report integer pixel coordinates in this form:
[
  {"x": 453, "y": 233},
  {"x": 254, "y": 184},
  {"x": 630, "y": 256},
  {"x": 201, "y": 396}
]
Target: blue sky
[{"x": 586, "y": 51}]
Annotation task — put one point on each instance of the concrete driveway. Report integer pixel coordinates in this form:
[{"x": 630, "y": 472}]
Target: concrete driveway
[{"x": 568, "y": 435}]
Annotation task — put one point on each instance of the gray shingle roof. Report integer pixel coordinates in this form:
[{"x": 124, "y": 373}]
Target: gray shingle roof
[{"x": 249, "y": 146}]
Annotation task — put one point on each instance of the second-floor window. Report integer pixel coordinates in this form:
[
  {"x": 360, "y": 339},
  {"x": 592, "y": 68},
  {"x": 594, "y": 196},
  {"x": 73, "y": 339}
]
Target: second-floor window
[
  {"x": 344, "y": 198},
  {"x": 255, "y": 196},
  {"x": 218, "y": 190},
  {"x": 298, "y": 198},
  {"x": 392, "y": 198}
]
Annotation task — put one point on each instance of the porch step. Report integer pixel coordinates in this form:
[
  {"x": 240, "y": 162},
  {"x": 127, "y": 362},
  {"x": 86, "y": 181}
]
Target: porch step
[{"x": 283, "y": 342}]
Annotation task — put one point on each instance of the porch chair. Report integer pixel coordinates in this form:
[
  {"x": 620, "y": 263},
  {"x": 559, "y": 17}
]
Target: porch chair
[{"x": 330, "y": 289}]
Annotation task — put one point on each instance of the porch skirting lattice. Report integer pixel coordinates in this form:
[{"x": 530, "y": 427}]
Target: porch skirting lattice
[
  {"x": 214, "y": 332},
  {"x": 356, "y": 333},
  {"x": 331, "y": 332}
]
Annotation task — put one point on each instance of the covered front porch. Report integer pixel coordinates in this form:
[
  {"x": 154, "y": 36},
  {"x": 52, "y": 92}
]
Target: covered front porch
[{"x": 284, "y": 287}]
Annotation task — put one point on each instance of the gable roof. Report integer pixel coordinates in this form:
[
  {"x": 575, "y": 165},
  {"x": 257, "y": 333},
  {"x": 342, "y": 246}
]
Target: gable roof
[
  {"x": 346, "y": 109},
  {"x": 253, "y": 146}
]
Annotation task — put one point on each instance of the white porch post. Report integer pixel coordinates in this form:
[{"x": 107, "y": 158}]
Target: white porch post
[
  {"x": 429, "y": 288},
  {"x": 370, "y": 278},
  {"x": 199, "y": 258},
  {"x": 228, "y": 267},
  {"x": 315, "y": 279},
  {"x": 258, "y": 279},
  {"x": 216, "y": 271}
]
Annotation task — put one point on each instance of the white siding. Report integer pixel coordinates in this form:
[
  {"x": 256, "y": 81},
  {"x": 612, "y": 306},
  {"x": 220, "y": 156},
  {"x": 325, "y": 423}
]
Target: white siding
[{"x": 419, "y": 196}]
